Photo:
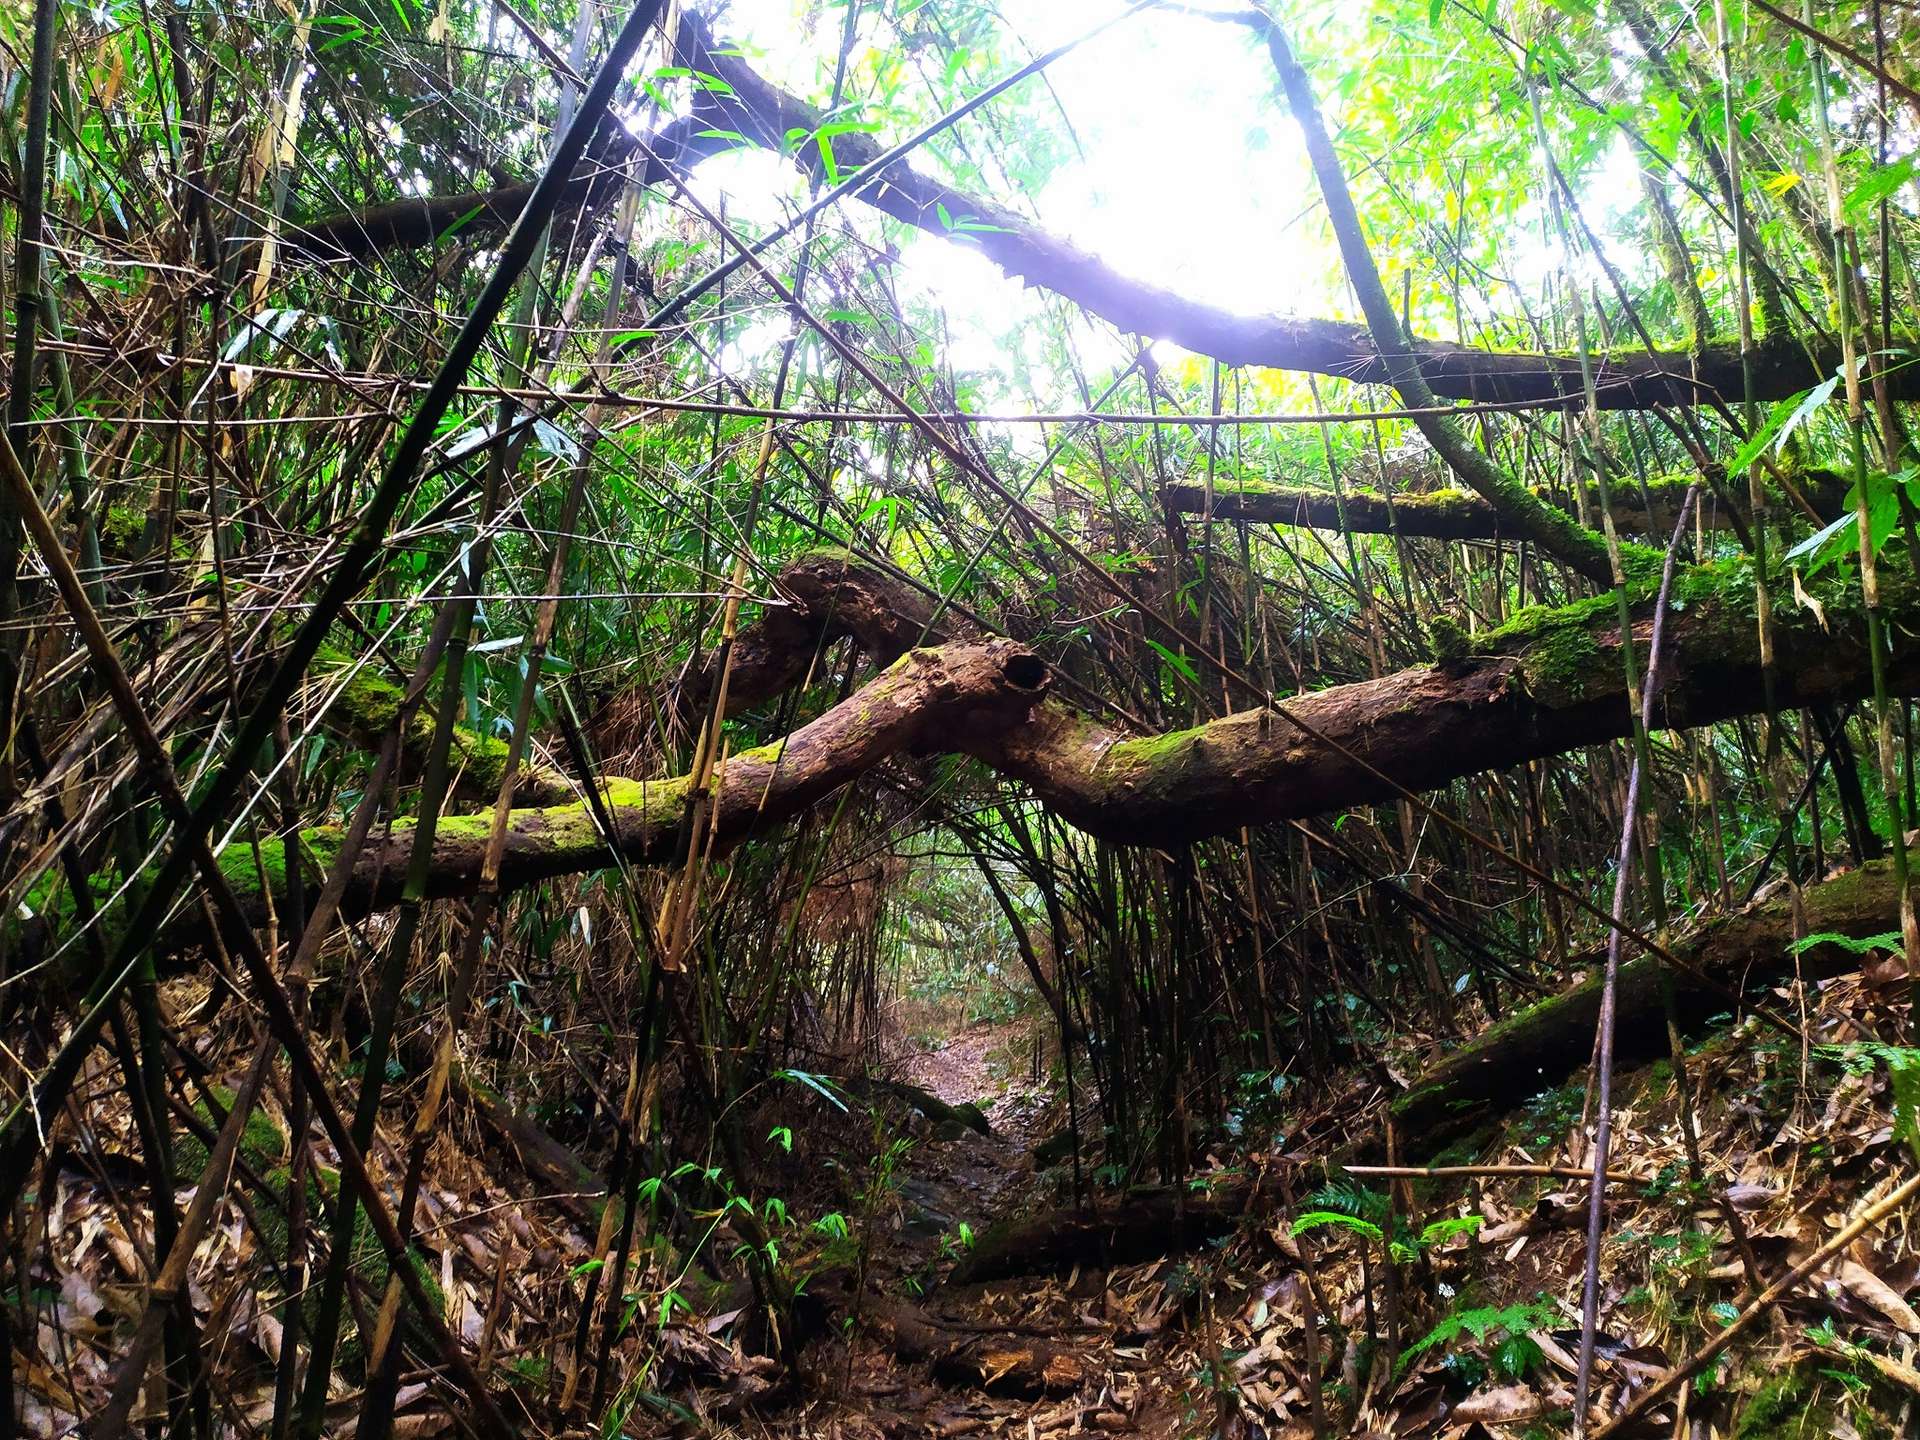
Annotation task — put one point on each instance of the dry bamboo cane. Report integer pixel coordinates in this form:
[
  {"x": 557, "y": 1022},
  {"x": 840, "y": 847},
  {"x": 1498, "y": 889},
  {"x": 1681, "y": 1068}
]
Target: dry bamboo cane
[{"x": 1761, "y": 1303}]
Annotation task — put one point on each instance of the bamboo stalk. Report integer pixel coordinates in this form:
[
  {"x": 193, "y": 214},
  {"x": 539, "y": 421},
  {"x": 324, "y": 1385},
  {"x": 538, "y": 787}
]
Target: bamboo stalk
[{"x": 1454, "y": 1172}]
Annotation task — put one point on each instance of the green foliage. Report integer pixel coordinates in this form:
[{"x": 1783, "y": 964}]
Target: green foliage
[
  {"x": 1350, "y": 1197},
  {"x": 1903, "y": 1078},
  {"x": 1319, "y": 1219},
  {"x": 1787, "y": 416},
  {"x": 1515, "y": 1355},
  {"x": 1839, "y": 542},
  {"x": 819, "y": 1084},
  {"x": 1886, "y": 944},
  {"x": 1437, "y": 1233}
]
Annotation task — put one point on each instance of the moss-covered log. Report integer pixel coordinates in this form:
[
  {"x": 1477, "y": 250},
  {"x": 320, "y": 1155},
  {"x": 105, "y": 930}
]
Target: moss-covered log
[
  {"x": 915, "y": 706},
  {"x": 367, "y": 705},
  {"x": 966, "y": 1114},
  {"x": 1454, "y": 514},
  {"x": 1537, "y": 1048},
  {"x": 1142, "y": 1225},
  {"x": 749, "y": 106},
  {"x": 919, "y": 701},
  {"x": 1548, "y": 682}
]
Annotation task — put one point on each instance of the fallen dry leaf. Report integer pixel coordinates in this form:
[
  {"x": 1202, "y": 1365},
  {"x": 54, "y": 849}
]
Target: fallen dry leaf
[
  {"x": 1869, "y": 1289},
  {"x": 1499, "y": 1407}
]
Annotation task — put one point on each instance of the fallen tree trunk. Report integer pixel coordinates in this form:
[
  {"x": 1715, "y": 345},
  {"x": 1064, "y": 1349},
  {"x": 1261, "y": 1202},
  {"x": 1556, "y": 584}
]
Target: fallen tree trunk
[
  {"x": 762, "y": 114},
  {"x": 410, "y": 223},
  {"x": 567, "y": 1180},
  {"x": 910, "y": 708},
  {"x": 1548, "y": 682},
  {"x": 364, "y": 704},
  {"x": 925, "y": 1102},
  {"x": 913, "y": 707},
  {"x": 1537, "y": 1048},
  {"x": 1452, "y": 514},
  {"x": 1143, "y": 1225},
  {"x": 831, "y": 595}
]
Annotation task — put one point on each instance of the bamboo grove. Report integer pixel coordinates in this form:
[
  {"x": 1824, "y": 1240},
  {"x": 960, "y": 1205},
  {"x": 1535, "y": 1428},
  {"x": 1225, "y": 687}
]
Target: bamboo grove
[{"x": 524, "y": 596}]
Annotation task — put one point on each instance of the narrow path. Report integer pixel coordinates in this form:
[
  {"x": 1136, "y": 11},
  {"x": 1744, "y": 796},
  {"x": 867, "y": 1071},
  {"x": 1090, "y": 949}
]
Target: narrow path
[{"x": 1027, "y": 1357}]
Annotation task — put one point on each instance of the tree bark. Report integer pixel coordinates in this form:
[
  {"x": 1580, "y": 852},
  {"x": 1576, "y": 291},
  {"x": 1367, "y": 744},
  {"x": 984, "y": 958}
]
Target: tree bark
[
  {"x": 995, "y": 1360},
  {"x": 421, "y": 220},
  {"x": 1537, "y": 1048},
  {"x": 1548, "y": 682},
  {"x": 913, "y": 707},
  {"x": 1449, "y": 514}
]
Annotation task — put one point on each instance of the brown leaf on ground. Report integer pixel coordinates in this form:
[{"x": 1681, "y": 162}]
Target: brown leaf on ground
[{"x": 1502, "y": 1406}]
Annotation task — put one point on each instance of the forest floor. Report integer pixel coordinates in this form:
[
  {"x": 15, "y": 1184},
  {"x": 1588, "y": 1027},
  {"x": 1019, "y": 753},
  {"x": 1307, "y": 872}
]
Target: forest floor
[
  {"x": 1472, "y": 1332},
  {"x": 1201, "y": 1316},
  {"x": 1038, "y": 1354}
]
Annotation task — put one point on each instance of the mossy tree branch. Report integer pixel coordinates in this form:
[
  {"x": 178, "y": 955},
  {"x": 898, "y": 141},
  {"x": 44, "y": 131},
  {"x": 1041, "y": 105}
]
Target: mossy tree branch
[
  {"x": 1554, "y": 531},
  {"x": 1548, "y": 682},
  {"x": 1536, "y": 1048},
  {"x": 1450, "y": 514},
  {"x": 368, "y": 705}
]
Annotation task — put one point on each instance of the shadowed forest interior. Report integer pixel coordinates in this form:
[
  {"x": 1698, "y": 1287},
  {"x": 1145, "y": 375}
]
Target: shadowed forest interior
[{"x": 919, "y": 718}]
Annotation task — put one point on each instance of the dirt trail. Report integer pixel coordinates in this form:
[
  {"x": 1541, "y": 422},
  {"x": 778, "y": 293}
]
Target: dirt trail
[
  {"x": 1030, "y": 1356},
  {"x": 962, "y": 1070}
]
